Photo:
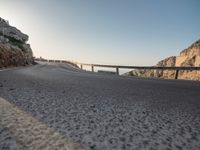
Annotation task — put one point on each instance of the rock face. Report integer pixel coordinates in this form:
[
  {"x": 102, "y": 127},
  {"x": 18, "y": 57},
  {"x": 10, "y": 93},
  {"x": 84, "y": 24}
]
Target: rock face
[
  {"x": 187, "y": 57},
  {"x": 190, "y": 57},
  {"x": 14, "y": 50}
]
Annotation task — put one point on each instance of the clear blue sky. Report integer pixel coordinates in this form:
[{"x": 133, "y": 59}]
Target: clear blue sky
[{"x": 126, "y": 32}]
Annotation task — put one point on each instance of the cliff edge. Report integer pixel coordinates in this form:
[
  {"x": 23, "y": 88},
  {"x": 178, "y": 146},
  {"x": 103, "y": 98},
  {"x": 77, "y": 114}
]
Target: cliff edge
[{"x": 14, "y": 50}]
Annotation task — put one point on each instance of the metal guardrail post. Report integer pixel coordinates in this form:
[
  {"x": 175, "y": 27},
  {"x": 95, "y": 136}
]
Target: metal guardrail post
[
  {"x": 92, "y": 68},
  {"x": 117, "y": 70},
  {"x": 176, "y": 74}
]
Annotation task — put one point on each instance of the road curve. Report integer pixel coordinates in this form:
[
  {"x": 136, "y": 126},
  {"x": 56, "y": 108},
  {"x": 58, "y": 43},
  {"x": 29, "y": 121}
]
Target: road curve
[{"x": 108, "y": 112}]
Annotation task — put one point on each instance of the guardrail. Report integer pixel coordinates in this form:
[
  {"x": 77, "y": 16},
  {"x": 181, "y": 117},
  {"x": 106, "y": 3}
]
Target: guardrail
[
  {"x": 55, "y": 61},
  {"x": 177, "y": 69}
]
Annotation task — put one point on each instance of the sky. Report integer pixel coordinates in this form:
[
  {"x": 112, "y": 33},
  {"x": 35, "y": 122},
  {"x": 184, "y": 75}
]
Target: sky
[{"x": 118, "y": 32}]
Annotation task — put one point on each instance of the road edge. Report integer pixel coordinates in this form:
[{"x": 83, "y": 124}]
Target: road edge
[{"x": 30, "y": 132}]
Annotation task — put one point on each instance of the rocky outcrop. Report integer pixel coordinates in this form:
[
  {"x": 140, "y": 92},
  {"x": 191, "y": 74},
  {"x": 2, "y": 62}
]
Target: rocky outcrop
[
  {"x": 190, "y": 57},
  {"x": 170, "y": 62},
  {"x": 14, "y": 50},
  {"x": 193, "y": 50},
  {"x": 187, "y": 57}
]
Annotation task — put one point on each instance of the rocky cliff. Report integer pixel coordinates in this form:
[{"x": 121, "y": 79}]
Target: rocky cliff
[
  {"x": 14, "y": 50},
  {"x": 187, "y": 57},
  {"x": 190, "y": 57}
]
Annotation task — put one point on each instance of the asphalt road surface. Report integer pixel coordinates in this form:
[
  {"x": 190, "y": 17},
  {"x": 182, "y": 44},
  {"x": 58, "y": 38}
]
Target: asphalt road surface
[{"x": 107, "y": 112}]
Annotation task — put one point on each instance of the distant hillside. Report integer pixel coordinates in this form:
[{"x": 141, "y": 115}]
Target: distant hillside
[
  {"x": 14, "y": 50},
  {"x": 187, "y": 57}
]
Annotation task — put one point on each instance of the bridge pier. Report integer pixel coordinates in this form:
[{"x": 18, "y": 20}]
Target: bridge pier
[{"x": 81, "y": 67}]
